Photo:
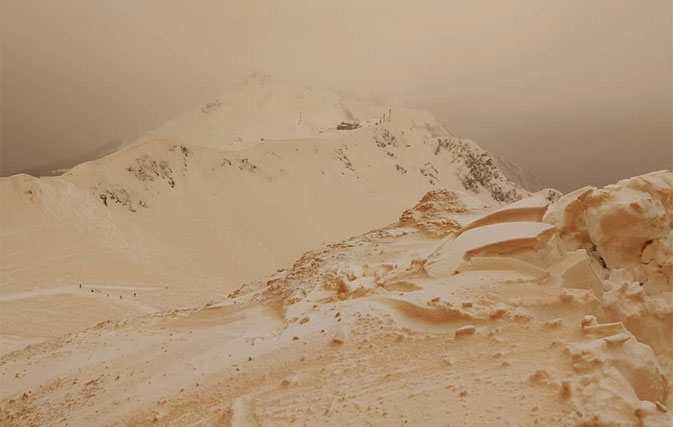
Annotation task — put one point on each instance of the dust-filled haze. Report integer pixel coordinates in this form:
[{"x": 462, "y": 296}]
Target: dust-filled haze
[{"x": 576, "y": 92}]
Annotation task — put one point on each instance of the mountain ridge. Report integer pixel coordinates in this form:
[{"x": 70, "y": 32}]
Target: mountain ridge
[{"x": 197, "y": 220}]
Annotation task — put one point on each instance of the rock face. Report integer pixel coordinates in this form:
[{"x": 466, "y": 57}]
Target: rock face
[{"x": 479, "y": 171}]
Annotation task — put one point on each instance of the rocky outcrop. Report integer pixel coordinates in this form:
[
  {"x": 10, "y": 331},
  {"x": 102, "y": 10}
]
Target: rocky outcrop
[
  {"x": 479, "y": 170},
  {"x": 431, "y": 213}
]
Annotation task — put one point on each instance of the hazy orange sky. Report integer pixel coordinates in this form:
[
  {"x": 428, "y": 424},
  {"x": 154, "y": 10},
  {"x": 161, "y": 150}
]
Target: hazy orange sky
[{"x": 575, "y": 91}]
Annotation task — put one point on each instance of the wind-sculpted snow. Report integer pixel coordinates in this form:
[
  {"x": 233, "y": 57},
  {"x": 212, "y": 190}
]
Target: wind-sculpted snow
[
  {"x": 626, "y": 227},
  {"x": 614, "y": 242},
  {"x": 535, "y": 323}
]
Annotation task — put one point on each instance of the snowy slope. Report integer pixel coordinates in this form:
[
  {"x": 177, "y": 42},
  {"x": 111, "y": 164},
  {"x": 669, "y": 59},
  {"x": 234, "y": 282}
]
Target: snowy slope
[
  {"x": 262, "y": 109},
  {"x": 198, "y": 212},
  {"x": 518, "y": 175},
  {"x": 555, "y": 316}
]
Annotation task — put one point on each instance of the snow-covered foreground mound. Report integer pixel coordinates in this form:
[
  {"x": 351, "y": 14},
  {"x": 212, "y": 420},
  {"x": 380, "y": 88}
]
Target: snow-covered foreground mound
[
  {"x": 188, "y": 213},
  {"x": 546, "y": 314}
]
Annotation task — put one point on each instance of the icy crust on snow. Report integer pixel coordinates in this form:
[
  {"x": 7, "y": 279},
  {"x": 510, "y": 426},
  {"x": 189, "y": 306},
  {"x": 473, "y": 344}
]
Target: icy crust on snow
[
  {"x": 511, "y": 238},
  {"x": 627, "y": 227},
  {"x": 529, "y": 209},
  {"x": 627, "y": 231},
  {"x": 617, "y": 244}
]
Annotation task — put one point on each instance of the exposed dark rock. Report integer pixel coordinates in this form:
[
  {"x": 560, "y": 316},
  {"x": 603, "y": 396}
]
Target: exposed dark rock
[
  {"x": 347, "y": 126},
  {"x": 429, "y": 171},
  {"x": 211, "y": 106},
  {"x": 120, "y": 196},
  {"x": 149, "y": 169},
  {"x": 343, "y": 158},
  {"x": 244, "y": 164},
  {"x": 383, "y": 138},
  {"x": 480, "y": 170}
]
